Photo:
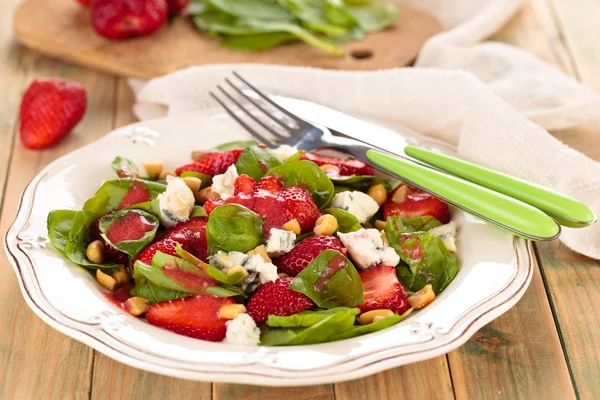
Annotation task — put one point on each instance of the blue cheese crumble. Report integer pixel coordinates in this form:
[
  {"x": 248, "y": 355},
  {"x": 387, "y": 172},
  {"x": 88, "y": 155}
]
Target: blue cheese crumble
[
  {"x": 223, "y": 184},
  {"x": 242, "y": 330},
  {"x": 448, "y": 235},
  {"x": 367, "y": 249},
  {"x": 359, "y": 204},
  {"x": 280, "y": 242},
  {"x": 176, "y": 202},
  {"x": 259, "y": 272}
]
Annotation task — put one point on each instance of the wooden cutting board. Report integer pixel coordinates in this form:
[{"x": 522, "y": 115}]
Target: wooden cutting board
[{"x": 62, "y": 29}]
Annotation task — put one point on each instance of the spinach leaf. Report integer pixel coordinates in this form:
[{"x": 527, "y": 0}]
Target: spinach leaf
[
  {"x": 359, "y": 330},
  {"x": 59, "y": 224},
  {"x": 337, "y": 13},
  {"x": 374, "y": 17},
  {"x": 226, "y": 291},
  {"x": 395, "y": 225},
  {"x": 428, "y": 260},
  {"x": 236, "y": 279},
  {"x": 306, "y": 318},
  {"x": 232, "y": 227},
  {"x": 154, "y": 293},
  {"x": 264, "y": 10},
  {"x": 347, "y": 222},
  {"x": 330, "y": 280},
  {"x": 361, "y": 182},
  {"x": 239, "y": 144},
  {"x": 256, "y": 162},
  {"x": 257, "y": 42},
  {"x": 312, "y": 14},
  {"x": 152, "y": 207},
  {"x": 128, "y": 220},
  {"x": 308, "y": 175},
  {"x": 321, "y": 332},
  {"x": 79, "y": 238},
  {"x": 198, "y": 211},
  {"x": 125, "y": 168}
]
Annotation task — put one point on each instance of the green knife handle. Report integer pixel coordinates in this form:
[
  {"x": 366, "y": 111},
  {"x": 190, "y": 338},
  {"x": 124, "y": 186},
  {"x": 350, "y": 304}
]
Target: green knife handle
[
  {"x": 508, "y": 213},
  {"x": 566, "y": 210}
]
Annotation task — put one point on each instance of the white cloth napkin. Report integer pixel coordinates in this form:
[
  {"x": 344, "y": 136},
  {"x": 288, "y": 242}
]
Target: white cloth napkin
[{"x": 496, "y": 103}]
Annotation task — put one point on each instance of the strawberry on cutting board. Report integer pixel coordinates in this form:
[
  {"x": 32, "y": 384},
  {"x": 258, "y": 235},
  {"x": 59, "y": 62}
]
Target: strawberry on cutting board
[
  {"x": 120, "y": 19},
  {"x": 278, "y": 299},
  {"x": 383, "y": 290},
  {"x": 51, "y": 107},
  {"x": 196, "y": 317},
  {"x": 307, "y": 250}
]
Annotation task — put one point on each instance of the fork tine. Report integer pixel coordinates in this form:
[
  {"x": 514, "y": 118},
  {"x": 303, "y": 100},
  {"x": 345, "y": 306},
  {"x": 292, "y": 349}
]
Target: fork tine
[
  {"x": 299, "y": 121},
  {"x": 255, "y": 118},
  {"x": 240, "y": 121}
]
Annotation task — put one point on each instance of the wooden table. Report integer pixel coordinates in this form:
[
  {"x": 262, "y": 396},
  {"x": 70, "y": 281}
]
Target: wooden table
[{"x": 547, "y": 346}]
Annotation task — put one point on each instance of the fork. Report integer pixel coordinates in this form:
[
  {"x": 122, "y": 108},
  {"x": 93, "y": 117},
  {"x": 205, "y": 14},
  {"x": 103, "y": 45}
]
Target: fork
[{"x": 282, "y": 127}]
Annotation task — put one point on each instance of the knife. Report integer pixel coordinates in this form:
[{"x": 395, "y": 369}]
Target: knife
[{"x": 564, "y": 209}]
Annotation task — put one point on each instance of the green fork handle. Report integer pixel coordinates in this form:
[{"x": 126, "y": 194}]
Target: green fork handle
[
  {"x": 564, "y": 209},
  {"x": 508, "y": 213}
]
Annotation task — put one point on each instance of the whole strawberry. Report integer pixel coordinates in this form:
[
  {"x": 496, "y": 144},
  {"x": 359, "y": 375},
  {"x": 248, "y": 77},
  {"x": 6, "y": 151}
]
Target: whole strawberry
[
  {"x": 307, "y": 250},
  {"x": 120, "y": 19},
  {"x": 177, "y": 6},
  {"x": 278, "y": 299},
  {"x": 50, "y": 108}
]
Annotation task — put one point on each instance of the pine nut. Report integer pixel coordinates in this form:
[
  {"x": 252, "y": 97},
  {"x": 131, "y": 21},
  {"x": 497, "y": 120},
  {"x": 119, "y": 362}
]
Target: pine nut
[
  {"x": 106, "y": 280},
  {"x": 95, "y": 252},
  {"x": 136, "y": 305},
  {"x": 369, "y": 316},
  {"x": 235, "y": 269},
  {"x": 230, "y": 311},
  {"x": 282, "y": 275},
  {"x": 379, "y": 224},
  {"x": 292, "y": 226},
  {"x": 400, "y": 194},
  {"x": 329, "y": 168},
  {"x": 378, "y": 193},
  {"x": 193, "y": 183},
  {"x": 367, "y": 225},
  {"x": 121, "y": 276},
  {"x": 163, "y": 175},
  {"x": 262, "y": 250},
  {"x": 154, "y": 169},
  {"x": 422, "y": 298},
  {"x": 327, "y": 224}
]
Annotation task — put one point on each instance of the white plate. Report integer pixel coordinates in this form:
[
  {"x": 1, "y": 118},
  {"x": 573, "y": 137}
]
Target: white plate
[{"x": 496, "y": 269}]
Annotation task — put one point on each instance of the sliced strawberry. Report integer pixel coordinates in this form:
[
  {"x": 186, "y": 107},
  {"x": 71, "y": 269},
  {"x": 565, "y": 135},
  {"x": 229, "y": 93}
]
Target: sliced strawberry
[
  {"x": 306, "y": 251},
  {"x": 131, "y": 226},
  {"x": 196, "y": 317},
  {"x": 192, "y": 233},
  {"x": 84, "y": 3},
  {"x": 137, "y": 194},
  {"x": 213, "y": 165},
  {"x": 110, "y": 253},
  {"x": 50, "y": 109},
  {"x": 166, "y": 246},
  {"x": 243, "y": 184},
  {"x": 198, "y": 155},
  {"x": 382, "y": 290},
  {"x": 269, "y": 183},
  {"x": 416, "y": 204},
  {"x": 272, "y": 208},
  {"x": 347, "y": 167},
  {"x": 302, "y": 207},
  {"x": 275, "y": 298}
]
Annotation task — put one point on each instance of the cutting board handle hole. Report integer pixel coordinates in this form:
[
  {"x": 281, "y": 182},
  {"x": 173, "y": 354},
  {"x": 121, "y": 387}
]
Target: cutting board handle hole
[{"x": 361, "y": 54}]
